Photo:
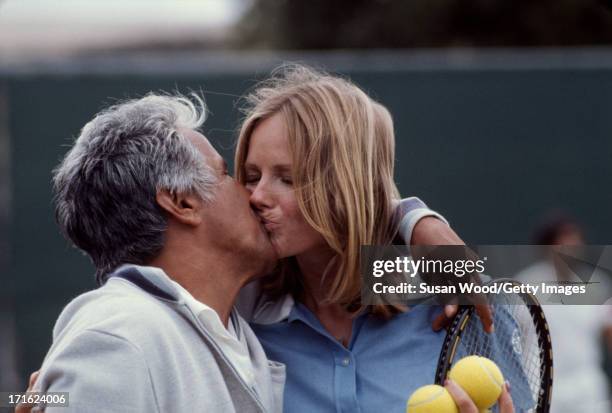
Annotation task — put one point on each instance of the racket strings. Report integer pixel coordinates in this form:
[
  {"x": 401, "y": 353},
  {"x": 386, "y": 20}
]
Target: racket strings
[{"x": 515, "y": 347}]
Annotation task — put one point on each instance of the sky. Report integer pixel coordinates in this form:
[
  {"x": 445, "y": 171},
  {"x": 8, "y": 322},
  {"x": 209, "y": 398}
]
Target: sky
[{"x": 39, "y": 27}]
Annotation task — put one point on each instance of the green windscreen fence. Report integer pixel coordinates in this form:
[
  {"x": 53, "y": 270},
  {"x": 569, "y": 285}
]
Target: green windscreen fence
[{"x": 490, "y": 148}]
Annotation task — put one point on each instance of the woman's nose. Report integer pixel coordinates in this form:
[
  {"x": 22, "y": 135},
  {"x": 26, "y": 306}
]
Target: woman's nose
[{"x": 260, "y": 197}]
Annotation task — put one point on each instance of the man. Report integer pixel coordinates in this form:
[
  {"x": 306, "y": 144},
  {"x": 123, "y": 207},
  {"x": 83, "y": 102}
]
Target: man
[{"x": 151, "y": 202}]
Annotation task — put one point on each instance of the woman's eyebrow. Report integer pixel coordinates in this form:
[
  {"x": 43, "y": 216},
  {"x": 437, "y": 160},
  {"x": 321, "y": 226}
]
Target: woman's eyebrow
[
  {"x": 277, "y": 169},
  {"x": 282, "y": 168}
]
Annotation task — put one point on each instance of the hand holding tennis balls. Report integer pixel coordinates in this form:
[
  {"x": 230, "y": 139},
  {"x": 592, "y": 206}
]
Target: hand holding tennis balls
[
  {"x": 480, "y": 378},
  {"x": 466, "y": 405},
  {"x": 475, "y": 384}
]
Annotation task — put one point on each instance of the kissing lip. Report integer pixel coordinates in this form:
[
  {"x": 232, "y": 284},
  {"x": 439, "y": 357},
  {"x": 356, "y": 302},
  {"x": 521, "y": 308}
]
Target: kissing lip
[{"x": 268, "y": 224}]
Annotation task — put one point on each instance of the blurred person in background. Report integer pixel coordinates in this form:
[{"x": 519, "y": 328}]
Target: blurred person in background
[{"x": 577, "y": 331}]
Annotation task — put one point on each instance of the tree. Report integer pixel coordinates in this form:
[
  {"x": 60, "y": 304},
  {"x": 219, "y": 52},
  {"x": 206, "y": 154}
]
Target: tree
[{"x": 328, "y": 24}]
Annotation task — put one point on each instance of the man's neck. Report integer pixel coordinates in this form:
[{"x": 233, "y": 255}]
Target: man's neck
[{"x": 212, "y": 280}]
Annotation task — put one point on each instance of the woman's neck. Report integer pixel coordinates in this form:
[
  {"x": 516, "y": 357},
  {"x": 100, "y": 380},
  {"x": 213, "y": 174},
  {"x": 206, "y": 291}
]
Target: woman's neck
[
  {"x": 317, "y": 270},
  {"x": 313, "y": 266}
]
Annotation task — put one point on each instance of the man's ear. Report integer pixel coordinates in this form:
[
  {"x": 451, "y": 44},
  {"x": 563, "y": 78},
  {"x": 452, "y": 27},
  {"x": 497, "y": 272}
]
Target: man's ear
[{"x": 185, "y": 208}]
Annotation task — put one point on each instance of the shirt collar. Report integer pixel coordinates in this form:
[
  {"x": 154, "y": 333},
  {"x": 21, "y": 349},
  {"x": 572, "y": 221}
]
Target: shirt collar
[
  {"x": 300, "y": 312},
  {"x": 161, "y": 280}
]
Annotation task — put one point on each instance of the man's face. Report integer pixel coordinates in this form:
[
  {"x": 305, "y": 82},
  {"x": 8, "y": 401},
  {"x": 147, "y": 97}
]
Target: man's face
[{"x": 229, "y": 221}]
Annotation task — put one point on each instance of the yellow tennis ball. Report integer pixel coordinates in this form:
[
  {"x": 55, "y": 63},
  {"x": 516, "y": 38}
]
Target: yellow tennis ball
[
  {"x": 431, "y": 399},
  {"x": 480, "y": 378}
]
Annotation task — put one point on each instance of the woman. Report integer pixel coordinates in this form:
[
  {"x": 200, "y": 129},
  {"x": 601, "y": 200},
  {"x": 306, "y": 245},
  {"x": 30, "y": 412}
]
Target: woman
[{"x": 317, "y": 155}]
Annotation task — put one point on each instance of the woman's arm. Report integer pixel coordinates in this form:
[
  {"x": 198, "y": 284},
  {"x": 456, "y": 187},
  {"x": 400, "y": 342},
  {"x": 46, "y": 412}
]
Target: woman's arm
[
  {"x": 432, "y": 231},
  {"x": 421, "y": 226}
]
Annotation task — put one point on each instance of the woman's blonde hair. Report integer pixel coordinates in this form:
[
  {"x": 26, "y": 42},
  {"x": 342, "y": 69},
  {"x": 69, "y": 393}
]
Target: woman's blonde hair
[{"x": 342, "y": 144}]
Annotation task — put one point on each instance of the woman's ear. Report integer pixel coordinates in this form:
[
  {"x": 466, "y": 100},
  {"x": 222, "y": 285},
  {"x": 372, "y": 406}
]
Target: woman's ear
[{"x": 185, "y": 208}]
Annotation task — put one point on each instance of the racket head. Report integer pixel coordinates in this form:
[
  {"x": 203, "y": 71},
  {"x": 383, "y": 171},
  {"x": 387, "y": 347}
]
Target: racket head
[{"x": 520, "y": 346}]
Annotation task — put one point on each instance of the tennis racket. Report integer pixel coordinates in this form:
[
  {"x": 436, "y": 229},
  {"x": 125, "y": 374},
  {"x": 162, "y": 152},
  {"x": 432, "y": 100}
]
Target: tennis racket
[{"x": 520, "y": 346}]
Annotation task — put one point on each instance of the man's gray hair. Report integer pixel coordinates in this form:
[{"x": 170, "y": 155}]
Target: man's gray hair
[{"x": 106, "y": 186}]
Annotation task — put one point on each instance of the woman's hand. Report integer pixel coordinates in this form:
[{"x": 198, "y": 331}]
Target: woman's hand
[
  {"x": 484, "y": 311},
  {"x": 466, "y": 405},
  {"x": 24, "y": 407},
  {"x": 432, "y": 231}
]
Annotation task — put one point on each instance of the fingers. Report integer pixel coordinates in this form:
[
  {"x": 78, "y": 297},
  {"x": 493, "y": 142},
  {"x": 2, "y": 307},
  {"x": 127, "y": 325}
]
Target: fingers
[
  {"x": 32, "y": 381},
  {"x": 442, "y": 320},
  {"x": 485, "y": 313},
  {"x": 462, "y": 400},
  {"x": 27, "y": 407},
  {"x": 505, "y": 401},
  {"x": 23, "y": 408},
  {"x": 481, "y": 304},
  {"x": 439, "y": 322},
  {"x": 450, "y": 310},
  {"x": 466, "y": 405}
]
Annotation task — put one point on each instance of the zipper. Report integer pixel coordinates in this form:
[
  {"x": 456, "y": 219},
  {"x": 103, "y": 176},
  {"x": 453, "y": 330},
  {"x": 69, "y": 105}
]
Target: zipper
[{"x": 222, "y": 355}]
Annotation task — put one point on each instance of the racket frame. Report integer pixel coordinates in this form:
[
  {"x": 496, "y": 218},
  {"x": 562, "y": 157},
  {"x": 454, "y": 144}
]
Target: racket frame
[{"x": 460, "y": 321}]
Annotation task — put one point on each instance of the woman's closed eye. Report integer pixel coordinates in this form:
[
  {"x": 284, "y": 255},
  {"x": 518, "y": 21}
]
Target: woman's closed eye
[{"x": 255, "y": 178}]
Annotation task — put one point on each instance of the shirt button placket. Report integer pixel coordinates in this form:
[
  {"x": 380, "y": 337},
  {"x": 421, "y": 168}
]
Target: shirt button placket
[{"x": 345, "y": 383}]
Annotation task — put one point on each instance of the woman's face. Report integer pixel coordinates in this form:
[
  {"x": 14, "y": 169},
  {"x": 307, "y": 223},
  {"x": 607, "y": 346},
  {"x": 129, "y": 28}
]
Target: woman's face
[{"x": 268, "y": 178}]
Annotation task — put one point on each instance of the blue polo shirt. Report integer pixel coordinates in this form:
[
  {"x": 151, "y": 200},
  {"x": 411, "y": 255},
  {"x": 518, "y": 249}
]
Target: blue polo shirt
[{"x": 385, "y": 361}]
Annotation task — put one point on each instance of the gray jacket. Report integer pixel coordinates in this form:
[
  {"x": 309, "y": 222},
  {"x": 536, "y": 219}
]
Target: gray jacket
[{"x": 133, "y": 346}]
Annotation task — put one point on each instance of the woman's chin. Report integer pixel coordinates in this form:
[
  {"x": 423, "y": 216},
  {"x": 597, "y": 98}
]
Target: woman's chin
[
  {"x": 278, "y": 247},
  {"x": 282, "y": 249}
]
